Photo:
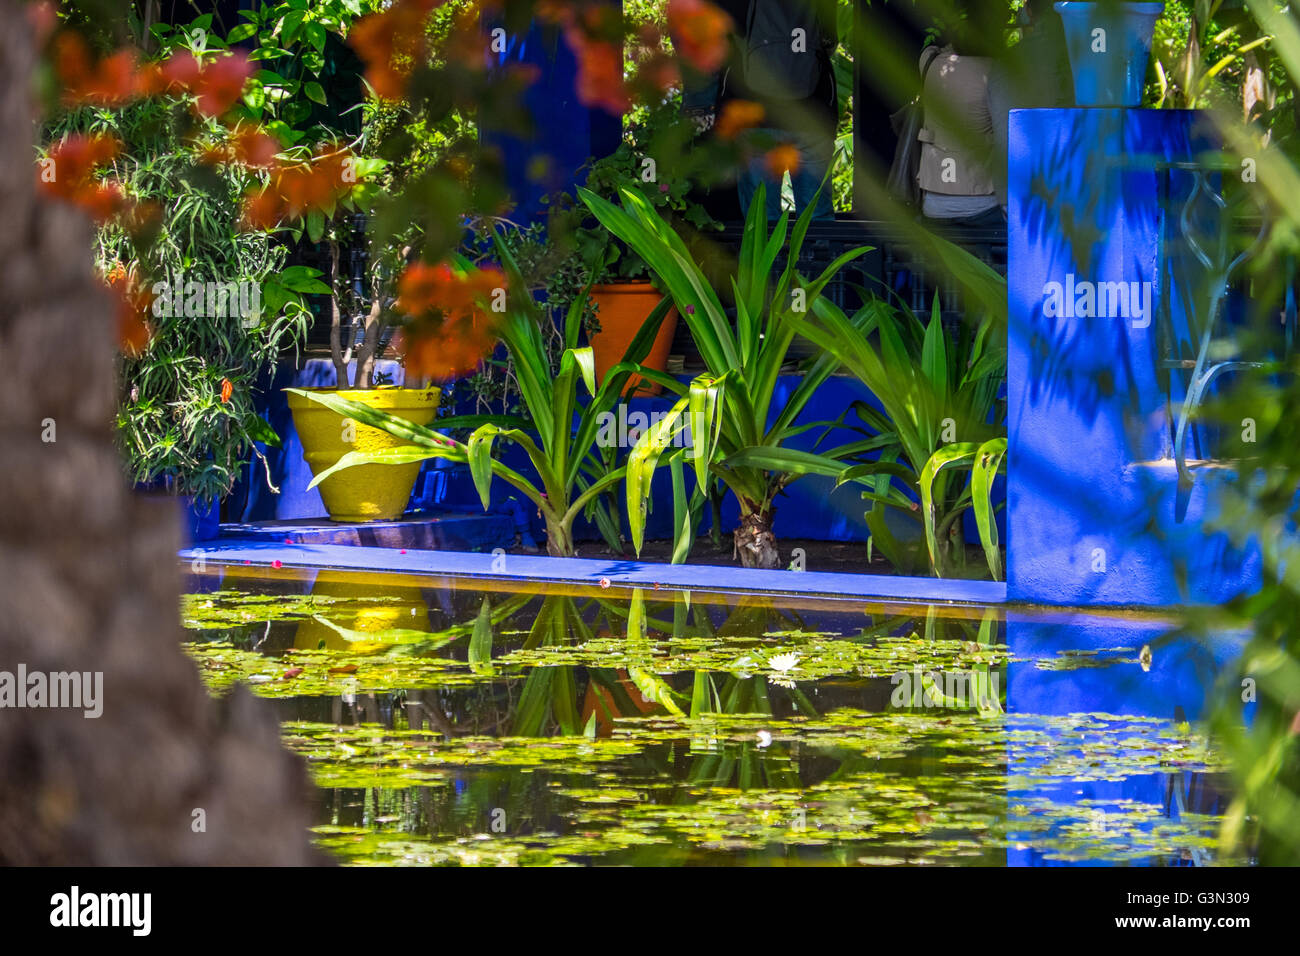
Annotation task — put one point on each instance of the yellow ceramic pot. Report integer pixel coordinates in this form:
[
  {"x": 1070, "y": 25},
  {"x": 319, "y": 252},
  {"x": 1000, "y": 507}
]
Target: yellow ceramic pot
[
  {"x": 353, "y": 606},
  {"x": 366, "y": 492}
]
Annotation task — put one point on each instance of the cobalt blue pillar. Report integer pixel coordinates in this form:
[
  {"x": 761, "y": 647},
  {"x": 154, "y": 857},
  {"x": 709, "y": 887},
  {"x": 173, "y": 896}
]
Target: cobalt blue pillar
[
  {"x": 1096, "y": 514},
  {"x": 565, "y": 135}
]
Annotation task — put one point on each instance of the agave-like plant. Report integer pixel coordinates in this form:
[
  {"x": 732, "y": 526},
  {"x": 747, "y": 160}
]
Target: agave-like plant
[
  {"x": 734, "y": 438},
  {"x": 558, "y": 436},
  {"x": 939, "y": 417}
]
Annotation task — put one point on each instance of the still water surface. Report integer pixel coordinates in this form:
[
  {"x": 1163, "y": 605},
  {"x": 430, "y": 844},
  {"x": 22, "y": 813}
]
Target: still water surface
[{"x": 448, "y": 722}]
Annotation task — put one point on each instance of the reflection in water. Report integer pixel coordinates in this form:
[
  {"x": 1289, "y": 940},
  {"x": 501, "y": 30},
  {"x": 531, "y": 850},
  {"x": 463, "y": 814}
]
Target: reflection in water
[{"x": 451, "y": 724}]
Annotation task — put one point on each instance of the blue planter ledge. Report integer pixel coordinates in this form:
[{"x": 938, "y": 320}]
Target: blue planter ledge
[
  {"x": 625, "y": 573},
  {"x": 453, "y": 531}
]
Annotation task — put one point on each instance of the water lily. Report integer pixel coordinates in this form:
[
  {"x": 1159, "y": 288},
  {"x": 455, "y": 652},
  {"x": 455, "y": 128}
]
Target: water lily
[{"x": 783, "y": 662}]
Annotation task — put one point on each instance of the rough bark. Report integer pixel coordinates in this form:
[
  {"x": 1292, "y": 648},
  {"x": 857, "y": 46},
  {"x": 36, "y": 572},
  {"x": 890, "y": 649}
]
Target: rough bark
[
  {"x": 89, "y": 582},
  {"x": 369, "y": 345},
  {"x": 336, "y": 321},
  {"x": 755, "y": 542}
]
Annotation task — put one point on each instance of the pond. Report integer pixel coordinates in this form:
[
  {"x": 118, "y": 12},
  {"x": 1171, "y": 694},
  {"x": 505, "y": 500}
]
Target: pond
[{"x": 460, "y": 722}]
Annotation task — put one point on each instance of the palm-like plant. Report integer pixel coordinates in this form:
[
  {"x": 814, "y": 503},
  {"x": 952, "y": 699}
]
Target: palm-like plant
[
  {"x": 572, "y": 473},
  {"x": 733, "y": 437},
  {"x": 939, "y": 416}
]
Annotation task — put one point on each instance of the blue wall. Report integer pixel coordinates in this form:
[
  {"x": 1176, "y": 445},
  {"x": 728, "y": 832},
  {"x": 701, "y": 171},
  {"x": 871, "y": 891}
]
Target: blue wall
[{"x": 1089, "y": 480}]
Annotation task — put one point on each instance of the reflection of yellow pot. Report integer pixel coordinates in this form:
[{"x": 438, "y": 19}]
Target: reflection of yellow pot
[
  {"x": 406, "y": 609},
  {"x": 366, "y": 492}
]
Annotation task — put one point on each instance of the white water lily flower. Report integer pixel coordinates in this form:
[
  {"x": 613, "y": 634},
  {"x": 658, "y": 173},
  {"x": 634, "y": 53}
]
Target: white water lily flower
[
  {"x": 764, "y": 739},
  {"x": 783, "y": 662}
]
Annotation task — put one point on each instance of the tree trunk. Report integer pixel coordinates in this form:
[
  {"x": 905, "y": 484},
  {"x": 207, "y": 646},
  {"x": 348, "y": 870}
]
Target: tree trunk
[
  {"x": 559, "y": 540},
  {"x": 755, "y": 542},
  {"x": 89, "y": 582},
  {"x": 336, "y": 321}
]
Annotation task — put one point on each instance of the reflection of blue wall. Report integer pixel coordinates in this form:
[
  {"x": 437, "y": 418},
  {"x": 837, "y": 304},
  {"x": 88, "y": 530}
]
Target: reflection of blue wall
[
  {"x": 1087, "y": 421},
  {"x": 1177, "y": 686}
]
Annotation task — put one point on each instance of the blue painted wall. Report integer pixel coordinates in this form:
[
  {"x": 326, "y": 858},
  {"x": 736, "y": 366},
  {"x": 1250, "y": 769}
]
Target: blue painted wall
[
  {"x": 1088, "y": 477},
  {"x": 565, "y": 133}
]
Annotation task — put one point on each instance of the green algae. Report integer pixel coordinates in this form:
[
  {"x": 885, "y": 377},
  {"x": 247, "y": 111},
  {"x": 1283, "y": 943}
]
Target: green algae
[{"x": 654, "y": 732}]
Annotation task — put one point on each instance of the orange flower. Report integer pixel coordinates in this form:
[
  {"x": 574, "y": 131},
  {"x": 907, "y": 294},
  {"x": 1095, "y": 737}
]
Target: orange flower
[
  {"x": 600, "y": 73},
  {"x": 221, "y": 83},
  {"x": 390, "y": 43},
  {"x": 738, "y": 116},
  {"x": 108, "y": 82},
  {"x": 781, "y": 159},
  {"x": 149, "y": 80},
  {"x": 699, "y": 31},
  {"x": 263, "y": 209},
  {"x": 296, "y": 188},
  {"x": 133, "y": 303},
  {"x": 226, "y": 389},
  {"x": 422, "y": 288},
  {"x": 102, "y": 201},
  {"x": 451, "y": 332},
  {"x": 68, "y": 173},
  {"x": 445, "y": 350},
  {"x": 180, "y": 72},
  {"x": 72, "y": 162},
  {"x": 253, "y": 147}
]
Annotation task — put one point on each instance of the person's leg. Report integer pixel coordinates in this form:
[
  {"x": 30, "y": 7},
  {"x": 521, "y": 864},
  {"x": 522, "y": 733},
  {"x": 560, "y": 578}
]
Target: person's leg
[
  {"x": 755, "y": 172},
  {"x": 815, "y": 157}
]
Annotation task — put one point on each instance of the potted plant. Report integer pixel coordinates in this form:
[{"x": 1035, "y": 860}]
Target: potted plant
[
  {"x": 1109, "y": 44},
  {"x": 559, "y": 434},
  {"x": 622, "y": 289},
  {"x": 375, "y": 493},
  {"x": 725, "y": 411}
]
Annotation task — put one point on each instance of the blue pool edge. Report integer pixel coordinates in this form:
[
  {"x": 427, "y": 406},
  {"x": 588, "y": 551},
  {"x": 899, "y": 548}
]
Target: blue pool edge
[{"x": 611, "y": 572}]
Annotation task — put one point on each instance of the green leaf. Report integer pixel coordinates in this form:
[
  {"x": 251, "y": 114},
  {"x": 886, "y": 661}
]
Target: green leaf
[
  {"x": 988, "y": 461},
  {"x": 314, "y": 92},
  {"x": 404, "y": 455},
  {"x": 480, "y": 642},
  {"x": 259, "y": 429},
  {"x": 654, "y": 689},
  {"x": 315, "y": 225},
  {"x": 479, "y": 450},
  {"x": 948, "y": 455}
]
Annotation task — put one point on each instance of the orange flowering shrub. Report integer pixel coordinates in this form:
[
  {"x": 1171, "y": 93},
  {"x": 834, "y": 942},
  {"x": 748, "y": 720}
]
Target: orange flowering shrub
[
  {"x": 699, "y": 31},
  {"x": 391, "y": 44},
  {"x": 781, "y": 159},
  {"x": 132, "y": 306},
  {"x": 594, "y": 34},
  {"x": 108, "y": 82},
  {"x": 119, "y": 78},
  {"x": 68, "y": 173},
  {"x": 738, "y": 116},
  {"x": 295, "y": 188},
  {"x": 450, "y": 333}
]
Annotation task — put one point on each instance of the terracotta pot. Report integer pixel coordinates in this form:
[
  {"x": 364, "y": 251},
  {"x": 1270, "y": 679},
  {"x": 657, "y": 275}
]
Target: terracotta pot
[{"x": 624, "y": 307}]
